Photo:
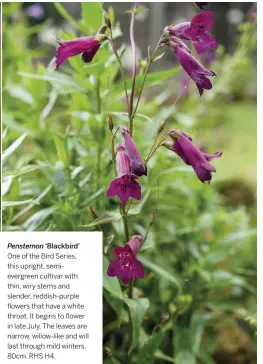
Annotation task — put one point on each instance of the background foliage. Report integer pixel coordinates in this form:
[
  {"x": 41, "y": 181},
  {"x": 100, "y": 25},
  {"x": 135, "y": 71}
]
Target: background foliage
[{"x": 200, "y": 255}]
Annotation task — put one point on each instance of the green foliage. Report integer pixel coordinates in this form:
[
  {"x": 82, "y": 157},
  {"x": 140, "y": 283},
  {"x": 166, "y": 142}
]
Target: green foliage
[{"x": 200, "y": 254}]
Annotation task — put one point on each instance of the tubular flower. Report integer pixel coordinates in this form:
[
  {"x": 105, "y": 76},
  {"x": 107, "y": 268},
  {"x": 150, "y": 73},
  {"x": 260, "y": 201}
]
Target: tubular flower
[
  {"x": 125, "y": 185},
  {"x": 191, "y": 155},
  {"x": 86, "y": 46},
  {"x": 138, "y": 167},
  {"x": 192, "y": 66},
  {"x": 196, "y": 31},
  {"x": 125, "y": 265}
]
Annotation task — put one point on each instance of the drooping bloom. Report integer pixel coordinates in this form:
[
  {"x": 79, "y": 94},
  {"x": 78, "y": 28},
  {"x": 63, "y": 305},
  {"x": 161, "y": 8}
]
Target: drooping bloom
[
  {"x": 192, "y": 66},
  {"x": 196, "y": 31},
  {"x": 125, "y": 265},
  {"x": 192, "y": 155},
  {"x": 125, "y": 185},
  {"x": 86, "y": 46},
  {"x": 138, "y": 167}
]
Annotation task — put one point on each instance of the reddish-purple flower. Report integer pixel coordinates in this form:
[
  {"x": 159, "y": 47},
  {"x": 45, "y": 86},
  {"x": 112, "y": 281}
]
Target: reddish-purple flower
[
  {"x": 138, "y": 167},
  {"x": 196, "y": 31},
  {"x": 87, "y": 46},
  {"x": 125, "y": 265},
  {"x": 193, "y": 156},
  {"x": 192, "y": 66},
  {"x": 125, "y": 185}
]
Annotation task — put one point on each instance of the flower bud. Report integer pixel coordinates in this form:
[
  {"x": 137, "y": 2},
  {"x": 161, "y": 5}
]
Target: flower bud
[
  {"x": 93, "y": 213},
  {"x": 102, "y": 29},
  {"x": 106, "y": 18},
  {"x": 135, "y": 243},
  {"x": 110, "y": 122},
  {"x": 153, "y": 217},
  {"x": 161, "y": 126},
  {"x": 164, "y": 317}
]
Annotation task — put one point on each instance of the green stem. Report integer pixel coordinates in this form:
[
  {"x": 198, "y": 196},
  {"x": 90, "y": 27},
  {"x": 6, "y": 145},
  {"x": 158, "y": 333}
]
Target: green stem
[
  {"x": 157, "y": 143},
  {"x": 113, "y": 44},
  {"x": 130, "y": 295},
  {"x": 125, "y": 222},
  {"x": 133, "y": 46},
  {"x": 151, "y": 59},
  {"x": 98, "y": 166}
]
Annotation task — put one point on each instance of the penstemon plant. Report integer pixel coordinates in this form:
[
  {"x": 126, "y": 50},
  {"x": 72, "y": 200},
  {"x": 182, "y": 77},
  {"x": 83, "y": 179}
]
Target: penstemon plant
[
  {"x": 129, "y": 166},
  {"x": 91, "y": 146}
]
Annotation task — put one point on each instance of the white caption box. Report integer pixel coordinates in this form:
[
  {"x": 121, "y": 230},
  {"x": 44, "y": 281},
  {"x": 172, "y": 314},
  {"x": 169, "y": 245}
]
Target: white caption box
[{"x": 51, "y": 304}]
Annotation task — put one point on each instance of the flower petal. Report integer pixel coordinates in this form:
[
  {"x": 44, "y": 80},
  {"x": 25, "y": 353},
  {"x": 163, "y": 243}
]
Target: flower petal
[
  {"x": 210, "y": 157},
  {"x": 201, "y": 22},
  {"x": 203, "y": 42},
  {"x": 125, "y": 186},
  {"x": 70, "y": 48}
]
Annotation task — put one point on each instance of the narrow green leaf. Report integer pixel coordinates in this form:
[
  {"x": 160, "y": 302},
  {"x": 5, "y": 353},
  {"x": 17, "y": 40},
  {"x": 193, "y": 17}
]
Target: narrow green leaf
[
  {"x": 6, "y": 184},
  {"x": 160, "y": 355},
  {"x": 37, "y": 200},
  {"x": 62, "y": 83},
  {"x": 61, "y": 150},
  {"x": 138, "y": 308},
  {"x": 140, "y": 10},
  {"x": 12, "y": 148},
  {"x": 105, "y": 219},
  {"x": 20, "y": 93},
  {"x": 115, "y": 303},
  {"x": 196, "y": 331},
  {"x": 160, "y": 270},
  {"x": 38, "y": 218},
  {"x": 16, "y": 203},
  {"x": 146, "y": 354},
  {"x": 136, "y": 209},
  {"x": 159, "y": 57}
]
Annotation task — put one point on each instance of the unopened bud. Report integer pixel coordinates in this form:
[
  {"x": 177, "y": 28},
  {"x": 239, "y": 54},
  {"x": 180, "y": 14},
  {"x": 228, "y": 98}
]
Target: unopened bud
[
  {"x": 153, "y": 217},
  {"x": 161, "y": 126},
  {"x": 102, "y": 29},
  {"x": 106, "y": 18},
  {"x": 93, "y": 213},
  {"x": 142, "y": 65},
  {"x": 164, "y": 317},
  {"x": 110, "y": 123}
]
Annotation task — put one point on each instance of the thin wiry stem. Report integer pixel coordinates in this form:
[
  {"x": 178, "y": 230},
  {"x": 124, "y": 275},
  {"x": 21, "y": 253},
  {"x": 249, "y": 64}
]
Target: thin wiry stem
[
  {"x": 134, "y": 68},
  {"x": 114, "y": 47},
  {"x": 150, "y": 60}
]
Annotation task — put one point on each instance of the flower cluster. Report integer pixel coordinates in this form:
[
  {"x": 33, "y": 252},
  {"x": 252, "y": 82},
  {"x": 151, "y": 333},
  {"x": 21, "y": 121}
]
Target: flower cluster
[
  {"x": 197, "y": 32},
  {"x": 130, "y": 166}
]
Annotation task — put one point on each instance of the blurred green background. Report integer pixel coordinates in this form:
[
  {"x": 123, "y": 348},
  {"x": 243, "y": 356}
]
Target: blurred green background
[{"x": 200, "y": 255}]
